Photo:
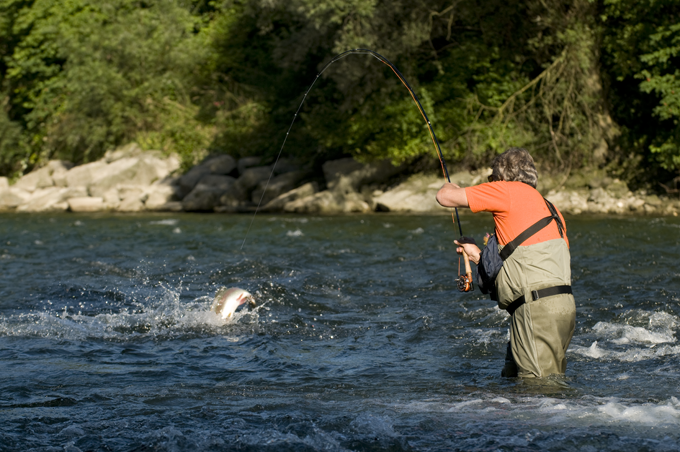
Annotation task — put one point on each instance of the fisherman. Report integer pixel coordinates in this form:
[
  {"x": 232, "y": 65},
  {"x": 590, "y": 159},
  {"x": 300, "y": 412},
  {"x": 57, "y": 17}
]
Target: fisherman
[{"x": 534, "y": 279}]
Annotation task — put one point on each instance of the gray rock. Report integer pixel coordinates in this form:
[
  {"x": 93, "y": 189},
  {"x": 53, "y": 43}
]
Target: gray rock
[
  {"x": 129, "y": 150},
  {"x": 279, "y": 203},
  {"x": 13, "y": 197},
  {"x": 58, "y": 170},
  {"x": 160, "y": 195},
  {"x": 216, "y": 182},
  {"x": 4, "y": 184},
  {"x": 570, "y": 201},
  {"x": 221, "y": 164},
  {"x": 131, "y": 204},
  {"x": 247, "y": 162},
  {"x": 277, "y": 185},
  {"x": 111, "y": 199},
  {"x": 86, "y": 204},
  {"x": 286, "y": 165},
  {"x": 618, "y": 189},
  {"x": 192, "y": 177},
  {"x": 44, "y": 200},
  {"x": 84, "y": 175},
  {"x": 233, "y": 200},
  {"x": 348, "y": 174},
  {"x": 252, "y": 177},
  {"x": 140, "y": 171},
  {"x": 51, "y": 199},
  {"x": 206, "y": 195},
  {"x": 130, "y": 192},
  {"x": 328, "y": 202},
  {"x": 653, "y": 200},
  {"x": 322, "y": 202},
  {"x": 39, "y": 178},
  {"x": 598, "y": 195},
  {"x": 417, "y": 194}
]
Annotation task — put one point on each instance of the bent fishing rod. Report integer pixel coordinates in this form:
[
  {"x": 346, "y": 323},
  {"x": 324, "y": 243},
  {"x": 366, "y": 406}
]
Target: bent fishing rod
[{"x": 464, "y": 281}]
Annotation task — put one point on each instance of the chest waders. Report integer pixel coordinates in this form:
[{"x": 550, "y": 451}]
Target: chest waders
[{"x": 533, "y": 284}]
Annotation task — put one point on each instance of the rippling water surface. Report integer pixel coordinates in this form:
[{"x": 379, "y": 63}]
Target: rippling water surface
[{"x": 361, "y": 340}]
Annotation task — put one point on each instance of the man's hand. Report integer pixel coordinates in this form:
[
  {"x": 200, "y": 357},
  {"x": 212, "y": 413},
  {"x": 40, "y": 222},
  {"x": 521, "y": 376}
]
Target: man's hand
[{"x": 471, "y": 249}]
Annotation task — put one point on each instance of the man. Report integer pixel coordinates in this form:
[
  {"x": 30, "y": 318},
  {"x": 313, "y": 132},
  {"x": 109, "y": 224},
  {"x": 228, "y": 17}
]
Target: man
[{"x": 534, "y": 282}]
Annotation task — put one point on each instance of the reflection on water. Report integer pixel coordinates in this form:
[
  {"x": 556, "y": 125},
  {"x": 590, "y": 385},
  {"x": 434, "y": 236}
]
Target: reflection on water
[{"x": 360, "y": 340}]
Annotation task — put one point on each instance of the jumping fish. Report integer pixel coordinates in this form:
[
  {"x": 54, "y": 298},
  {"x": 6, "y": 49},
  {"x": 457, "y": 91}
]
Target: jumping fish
[{"x": 227, "y": 300}]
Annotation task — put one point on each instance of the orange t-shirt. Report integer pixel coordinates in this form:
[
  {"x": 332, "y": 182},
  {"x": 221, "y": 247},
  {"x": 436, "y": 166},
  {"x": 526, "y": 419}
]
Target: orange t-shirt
[{"x": 515, "y": 206}]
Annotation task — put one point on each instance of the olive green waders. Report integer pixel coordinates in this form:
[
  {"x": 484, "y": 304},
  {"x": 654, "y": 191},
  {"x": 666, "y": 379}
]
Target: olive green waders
[{"x": 540, "y": 330}]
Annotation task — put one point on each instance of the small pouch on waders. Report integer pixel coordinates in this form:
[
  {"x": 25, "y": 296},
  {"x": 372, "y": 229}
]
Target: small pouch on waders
[
  {"x": 491, "y": 261},
  {"x": 490, "y": 264}
]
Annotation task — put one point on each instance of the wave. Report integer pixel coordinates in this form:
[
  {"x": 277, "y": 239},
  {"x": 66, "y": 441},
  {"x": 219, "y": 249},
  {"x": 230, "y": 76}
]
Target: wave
[{"x": 584, "y": 412}]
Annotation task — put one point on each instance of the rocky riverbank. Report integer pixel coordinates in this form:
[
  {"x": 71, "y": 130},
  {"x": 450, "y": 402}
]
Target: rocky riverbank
[{"x": 131, "y": 180}]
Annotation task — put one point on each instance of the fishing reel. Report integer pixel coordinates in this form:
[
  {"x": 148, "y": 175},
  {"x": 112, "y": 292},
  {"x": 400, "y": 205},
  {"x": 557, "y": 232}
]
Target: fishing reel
[
  {"x": 465, "y": 280},
  {"x": 465, "y": 283}
]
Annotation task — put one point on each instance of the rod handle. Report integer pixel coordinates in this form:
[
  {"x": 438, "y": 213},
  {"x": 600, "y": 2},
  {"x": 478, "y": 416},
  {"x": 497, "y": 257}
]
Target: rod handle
[{"x": 468, "y": 270}]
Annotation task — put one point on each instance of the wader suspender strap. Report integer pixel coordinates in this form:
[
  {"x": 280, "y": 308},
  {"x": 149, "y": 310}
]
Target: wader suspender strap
[
  {"x": 510, "y": 247},
  {"x": 533, "y": 229}
]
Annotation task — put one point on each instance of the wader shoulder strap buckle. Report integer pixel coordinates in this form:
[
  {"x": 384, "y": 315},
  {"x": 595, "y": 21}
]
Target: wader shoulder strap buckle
[{"x": 536, "y": 294}]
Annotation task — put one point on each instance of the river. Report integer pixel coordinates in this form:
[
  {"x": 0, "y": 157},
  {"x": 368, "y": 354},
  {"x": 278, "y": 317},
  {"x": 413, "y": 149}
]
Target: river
[{"x": 361, "y": 340}]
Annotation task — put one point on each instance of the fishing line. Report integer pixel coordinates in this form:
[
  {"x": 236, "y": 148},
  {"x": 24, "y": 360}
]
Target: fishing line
[{"x": 399, "y": 75}]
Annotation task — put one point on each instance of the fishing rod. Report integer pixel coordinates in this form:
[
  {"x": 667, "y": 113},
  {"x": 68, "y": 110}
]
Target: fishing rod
[{"x": 464, "y": 281}]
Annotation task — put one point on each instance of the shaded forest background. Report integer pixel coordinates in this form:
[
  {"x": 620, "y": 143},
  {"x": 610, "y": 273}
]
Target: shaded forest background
[{"x": 581, "y": 83}]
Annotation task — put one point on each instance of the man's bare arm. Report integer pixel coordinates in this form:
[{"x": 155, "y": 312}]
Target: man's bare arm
[{"x": 451, "y": 195}]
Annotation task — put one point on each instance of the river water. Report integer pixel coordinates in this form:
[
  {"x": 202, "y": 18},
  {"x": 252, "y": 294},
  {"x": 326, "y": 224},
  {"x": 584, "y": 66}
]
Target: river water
[{"x": 361, "y": 340}]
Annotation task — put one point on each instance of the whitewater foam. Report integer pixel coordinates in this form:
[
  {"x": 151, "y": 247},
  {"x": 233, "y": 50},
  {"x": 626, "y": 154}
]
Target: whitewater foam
[{"x": 165, "y": 317}]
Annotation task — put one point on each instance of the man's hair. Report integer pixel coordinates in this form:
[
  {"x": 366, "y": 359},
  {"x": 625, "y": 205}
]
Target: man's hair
[{"x": 515, "y": 164}]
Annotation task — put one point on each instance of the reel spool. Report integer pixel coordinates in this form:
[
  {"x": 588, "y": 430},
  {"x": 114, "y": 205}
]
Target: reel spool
[{"x": 465, "y": 283}]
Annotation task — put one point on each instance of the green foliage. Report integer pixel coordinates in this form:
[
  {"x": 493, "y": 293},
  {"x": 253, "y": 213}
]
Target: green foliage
[
  {"x": 662, "y": 77},
  {"x": 641, "y": 41},
  {"x": 88, "y": 75},
  {"x": 575, "y": 81}
]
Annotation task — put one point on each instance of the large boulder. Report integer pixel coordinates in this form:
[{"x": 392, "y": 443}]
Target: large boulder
[
  {"x": 348, "y": 173},
  {"x": 247, "y": 162},
  {"x": 328, "y": 202},
  {"x": 142, "y": 170},
  {"x": 220, "y": 164},
  {"x": 252, "y": 177},
  {"x": 52, "y": 199},
  {"x": 417, "y": 194},
  {"x": 58, "y": 169},
  {"x": 206, "y": 195},
  {"x": 39, "y": 178},
  {"x": 189, "y": 180},
  {"x": 286, "y": 165},
  {"x": 216, "y": 164},
  {"x": 44, "y": 177},
  {"x": 111, "y": 199},
  {"x": 161, "y": 196},
  {"x": 4, "y": 184},
  {"x": 45, "y": 200},
  {"x": 84, "y": 175},
  {"x": 322, "y": 202},
  {"x": 570, "y": 201},
  {"x": 283, "y": 183},
  {"x": 11, "y": 198},
  {"x": 86, "y": 204},
  {"x": 279, "y": 203},
  {"x": 131, "y": 198}
]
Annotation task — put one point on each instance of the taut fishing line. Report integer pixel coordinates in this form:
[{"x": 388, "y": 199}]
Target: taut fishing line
[{"x": 468, "y": 282}]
